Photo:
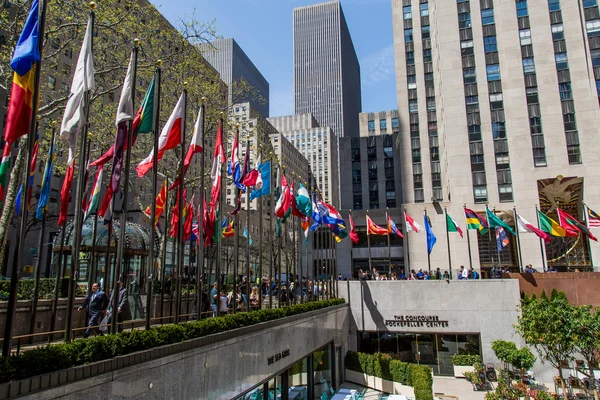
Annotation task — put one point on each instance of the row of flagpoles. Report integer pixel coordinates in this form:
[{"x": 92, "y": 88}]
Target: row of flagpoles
[{"x": 566, "y": 226}]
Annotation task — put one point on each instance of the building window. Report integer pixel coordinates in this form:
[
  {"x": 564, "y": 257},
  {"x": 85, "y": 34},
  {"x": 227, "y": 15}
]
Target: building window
[
  {"x": 408, "y": 35},
  {"x": 561, "y": 61},
  {"x": 589, "y": 3},
  {"x": 505, "y": 191},
  {"x": 554, "y": 5},
  {"x": 574, "y": 154},
  {"x": 466, "y": 47},
  {"x": 413, "y": 106},
  {"x": 425, "y": 32},
  {"x": 558, "y": 32},
  {"x": 595, "y": 54},
  {"x": 487, "y": 16},
  {"x": 410, "y": 58},
  {"x": 565, "y": 91},
  {"x": 469, "y": 75},
  {"x": 358, "y": 202},
  {"x": 493, "y": 72},
  {"x": 429, "y": 79},
  {"x": 426, "y": 55},
  {"x": 532, "y": 95},
  {"x": 412, "y": 81},
  {"x": 480, "y": 194},
  {"x": 521, "y": 8},
  {"x": 490, "y": 44},
  {"x": 496, "y": 101},
  {"x": 424, "y": 7},
  {"x": 431, "y": 104},
  {"x": 382, "y": 124},
  {"x": 474, "y": 133},
  {"x": 593, "y": 27},
  {"x": 498, "y": 130},
  {"x": 535, "y": 125},
  {"x": 51, "y": 82},
  {"x": 528, "y": 66},
  {"x": 395, "y": 123},
  {"x": 525, "y": 35},
  {"x": 464, "y": 20},
  {"x": 472, "y": 103},
  {"x": 371, "y": 125},
  {"x": 569, "y": 122},
  {"x": 407, "y": 12}
]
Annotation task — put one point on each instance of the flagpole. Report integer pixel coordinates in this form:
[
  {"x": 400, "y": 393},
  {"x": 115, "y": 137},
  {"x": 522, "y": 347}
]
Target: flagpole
[
  {"x": 518, "y": 239},
  {"x": 260, "y": 238},
  {"x": 294, "y": 267},
  {"x": 468, "y": 243},
  {"x": 428, "y": 253},
  {"x": 93, "y": 271},
  {"x": 58, "y": 280},
  {"x": 14, "y": 278},
  {"x": 587, "y": 224},
  {"x": 125, "y": 203},
  {"x": 542, "y": 247},
  {"x": 200, "y": 251},
  {"x": 151, "y": 257},
  {"x": 448, "y": 242},
  {"x": 163, "y": 258},
  {"x": 271, "y": 235},
  {"x": 236, "y": 224},
  {"x": 38, "y": 263},
  {"x": 248, "y": 285},
  {"x": 182, "y": 201},
  {"x": 387, "y": 220},
  {"x": 490, "y": 237},
  {"x": 218, "y": 228},
  {"x": 407, "y": 268},
  {"x": 369, "y": 245},
  {"x": 351, "y": 247}
]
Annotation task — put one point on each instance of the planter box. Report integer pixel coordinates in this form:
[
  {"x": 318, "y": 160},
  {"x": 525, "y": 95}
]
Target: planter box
[
  {"x": 459, "y": 370},
  {"x": 379, "y": 384}
]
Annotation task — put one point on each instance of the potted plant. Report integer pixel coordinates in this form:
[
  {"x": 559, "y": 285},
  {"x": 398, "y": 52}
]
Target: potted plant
[{"x": 464, "y": 363}]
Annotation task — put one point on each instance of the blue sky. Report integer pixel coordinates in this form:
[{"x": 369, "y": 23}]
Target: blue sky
[{"x": 263, "y": 28}]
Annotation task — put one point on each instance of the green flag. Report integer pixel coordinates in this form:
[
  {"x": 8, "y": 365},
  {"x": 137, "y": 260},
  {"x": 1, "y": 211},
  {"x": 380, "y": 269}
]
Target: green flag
[
  {"x": 495, "y": 222},
  {"x": 452, "y": 225},
  {"x": 4, "y": 168}
]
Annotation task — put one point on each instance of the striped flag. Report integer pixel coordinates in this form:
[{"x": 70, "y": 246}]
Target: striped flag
[
  {"x": 593, "y": 218},
  {"x": 92, "y": 206},
  {"x": 4, "y": 168},
  {"x": 46, "y": 181},
  {"x": 411, "y": 225}
]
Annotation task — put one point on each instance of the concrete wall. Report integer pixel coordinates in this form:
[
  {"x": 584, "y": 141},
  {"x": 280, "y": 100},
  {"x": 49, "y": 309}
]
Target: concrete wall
[
  {"x": 580, "y": 287},
  {"x": 228, "y": 365}
]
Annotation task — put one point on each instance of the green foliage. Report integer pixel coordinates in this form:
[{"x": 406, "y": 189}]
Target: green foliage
[
  {"x": 46, "y": 288},
  {"x": 521, "y": 359},
  {"x": 385, "y": 366},
  {"x": 465, "y": 359},
  {"x": 43, "y": 360},
  {"x": 473, "y": 377}
]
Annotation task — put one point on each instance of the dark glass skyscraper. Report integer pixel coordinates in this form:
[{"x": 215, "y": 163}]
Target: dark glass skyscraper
[{"x": 326, "y": 69}]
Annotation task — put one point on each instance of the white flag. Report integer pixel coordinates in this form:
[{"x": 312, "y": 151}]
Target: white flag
[
  {"x": 125, "y": 109},
  {"x": 83, "y": 81}
]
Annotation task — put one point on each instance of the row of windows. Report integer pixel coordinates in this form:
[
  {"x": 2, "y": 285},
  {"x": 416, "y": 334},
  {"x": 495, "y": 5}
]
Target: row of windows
[{"x": 383, "y": 124}]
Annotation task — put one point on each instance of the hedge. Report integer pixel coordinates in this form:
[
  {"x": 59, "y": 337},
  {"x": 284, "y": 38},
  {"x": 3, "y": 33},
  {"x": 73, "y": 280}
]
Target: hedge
[
  {"x": 465, "y": 360},
  {"x": 384, "y": 366},
  {"x": 46, "y": 289},
  {"x": 43, "y": 360}
]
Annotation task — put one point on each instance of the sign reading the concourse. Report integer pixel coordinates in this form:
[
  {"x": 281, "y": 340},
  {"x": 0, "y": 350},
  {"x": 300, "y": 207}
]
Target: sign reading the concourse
[{"x": 416, "y": 321}]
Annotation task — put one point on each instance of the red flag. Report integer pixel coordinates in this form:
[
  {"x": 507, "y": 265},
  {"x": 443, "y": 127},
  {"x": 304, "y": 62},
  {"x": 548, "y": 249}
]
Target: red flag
[
  {"x": 195, "y": 147},
  {"x": 65, "y": 194},
  {"x": 175, "y": 214},
  {"x": 572, "y": 226},
  {"x": 218, "y": 160},
  {"x": 189, "y": 217},
  {"x": 285, "y": 199},
  {"x": 160, "y": 204},
  {"x": 353, "y": 234},
  {"x": 374, "y": 229},
  {"x": 209, "y": 225}
]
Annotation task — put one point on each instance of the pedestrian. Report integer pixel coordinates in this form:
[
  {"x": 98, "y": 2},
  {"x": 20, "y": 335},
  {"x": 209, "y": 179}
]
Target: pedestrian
[
  {"x": 214, "y": 299},
  {"x": 420, "y": 275},
  {"x": 123, "y": 310},
  {"x": 446, "y": 275},
  {"x": 96, "y": 302},
  {"x": 438, "y": 274},
  {"x": 474, "y": 274},
  {"x": 223, "y": 303}
]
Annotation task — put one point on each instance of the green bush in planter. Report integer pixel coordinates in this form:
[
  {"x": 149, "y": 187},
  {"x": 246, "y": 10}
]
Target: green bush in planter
[
  {"x": 43, "y": 360},
  {"x": 464, "y": 360}
]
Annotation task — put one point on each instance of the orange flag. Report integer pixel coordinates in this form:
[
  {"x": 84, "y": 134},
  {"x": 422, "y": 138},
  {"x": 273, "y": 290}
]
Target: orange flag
[
  {"x": 374, "y": 229},
  {"x": 160, "y": 203}
]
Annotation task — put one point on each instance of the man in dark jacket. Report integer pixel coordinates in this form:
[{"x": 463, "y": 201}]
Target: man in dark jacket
[
  {"x": 123, "y": 311},
  {"x": 96, "y": 302}
]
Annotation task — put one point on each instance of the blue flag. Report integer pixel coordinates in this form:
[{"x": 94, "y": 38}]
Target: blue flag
[
  {"x": 265, "y": 176},
  {"x": 46, "y": 181},
  {"x": 247, "y": 236},
  {"x": 431, "y": 239},
  {"x": 501, "y": 238},
  {"x": 27, "y": 50}
]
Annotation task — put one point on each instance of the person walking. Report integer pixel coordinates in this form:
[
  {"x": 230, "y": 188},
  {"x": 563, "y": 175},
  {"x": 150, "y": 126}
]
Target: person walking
[
  {"x": 97, "y": 303},
  {"x": 123, "y": 310},
  {"x": 214, "y": 299}
]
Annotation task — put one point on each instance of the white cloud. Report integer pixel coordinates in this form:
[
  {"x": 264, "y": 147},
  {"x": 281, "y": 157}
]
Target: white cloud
[
  {"x": 378, "y": 66},
  {"x": 281, "y": 101}
]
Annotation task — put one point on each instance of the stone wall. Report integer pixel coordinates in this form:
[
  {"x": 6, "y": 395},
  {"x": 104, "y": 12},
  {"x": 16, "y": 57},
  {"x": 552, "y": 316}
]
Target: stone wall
[{"x": 580, "y": 287}]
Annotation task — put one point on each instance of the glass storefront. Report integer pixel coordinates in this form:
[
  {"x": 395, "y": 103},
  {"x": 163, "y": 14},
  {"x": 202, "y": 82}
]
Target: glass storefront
[{"x": 432, "y": 349}]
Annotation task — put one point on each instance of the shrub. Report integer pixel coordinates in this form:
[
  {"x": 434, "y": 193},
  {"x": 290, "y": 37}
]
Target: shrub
[
  {"x": 46, "y": 288},
  {"x": 385, "y": 366},
  {"x": 43, "y": 360},
  {"x": 465, "y": 359}
]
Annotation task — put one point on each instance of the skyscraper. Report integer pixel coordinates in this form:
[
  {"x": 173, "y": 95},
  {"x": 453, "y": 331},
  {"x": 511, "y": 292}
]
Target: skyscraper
[
  {"x": 227, "y": 57},
  {"x": 326, "y": 69}
]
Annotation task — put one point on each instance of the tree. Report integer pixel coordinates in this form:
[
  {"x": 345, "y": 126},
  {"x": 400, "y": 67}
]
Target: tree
[
  {"x": 521, "y": 359},
  {"x": 547, "y": 325},
  {"x": 586, "y": 336}
]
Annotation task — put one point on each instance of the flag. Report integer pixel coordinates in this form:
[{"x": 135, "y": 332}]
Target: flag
[
  {"x": 195, "y": 147},
  {"x": 106, "y": 210},
  {"x": 264, "y": 179},
  {"x": 353, "y": 234},
  {"x": 32, "y": 167},
  {"x": 65, "y": 194},
  {"x": 332, "y": 216},
  {"x": 316, "y": 216},
  {"x": 572, "y": 226},
  {"x": 285, "y": 199},
  {"x": 218, "y": 160},
  {"x": 233, "y": 169},
  {"x": 392, "y": 227},
  {"x": 431, "y": 239},
  {"x": 246, "y": 235},
  {"x": 20, "y": 107},
  {"x": 303, "y": 201},
  {"x": 160, "y": 204},
  {"x": 338, "y": 231},
  {"x": 83, "y": 81},
  {"x": 525, "y": 227},
  {"x": 175, "y": 214},
  {"x": 305, "y": 227},
  {"x": 593, "y": 218},
  {"x": 452, "y": 225},
  {"x": 411, "y": 225},
  {"x": 189, "y": 217},
  {"x": 229, "y": 229},
  {"x": 496, "y": 222},
  {"x": 142, "y": 123},
  {"x": 4, "y": 168},
  {"x": 374, "y": 229},
  {"x": 476, "y": 221},
  {"x": 46, "y": 182},
  {"x": 208, "y": 224},
  {"x": 501, "y": 238},
  {"x": 550, "y": 226},
  {"x": 252, "y": 177},
  {"x": 169, "y": 138},
  {"x": 92, "y": 207}
]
